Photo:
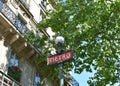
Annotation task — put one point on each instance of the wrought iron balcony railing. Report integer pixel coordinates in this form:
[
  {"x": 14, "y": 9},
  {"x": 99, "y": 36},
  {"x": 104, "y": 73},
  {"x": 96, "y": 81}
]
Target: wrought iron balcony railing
[
  {"x": 14, "y": 19},
  {"x": 11, "y": 16},
  {"x": 6, "y": 80}
]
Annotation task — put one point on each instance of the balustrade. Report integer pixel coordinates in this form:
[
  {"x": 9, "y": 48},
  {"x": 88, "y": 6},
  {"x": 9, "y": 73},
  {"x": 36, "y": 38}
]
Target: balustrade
[
  {"x": 11, "y": 16},
  {"x": 6, "y": 80},
  {"x": 14, "y": 19}
]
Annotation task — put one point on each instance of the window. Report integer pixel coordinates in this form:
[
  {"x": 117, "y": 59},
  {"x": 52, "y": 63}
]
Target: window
[
  {"x": 14, "y": 60},
  {"x": 43, "y": 2},
  {"x": 26, "y": 3},
  {"x": 13, "y": 69},
  {"x": 37, "y": 80}
]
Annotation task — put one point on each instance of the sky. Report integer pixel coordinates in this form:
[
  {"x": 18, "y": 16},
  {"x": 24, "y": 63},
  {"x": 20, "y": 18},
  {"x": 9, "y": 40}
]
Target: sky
[{"x": 82, "y": 78}]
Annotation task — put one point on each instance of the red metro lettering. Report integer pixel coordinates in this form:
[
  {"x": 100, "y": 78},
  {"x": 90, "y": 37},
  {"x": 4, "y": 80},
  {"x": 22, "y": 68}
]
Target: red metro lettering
[{"x": 59, "y": 58}]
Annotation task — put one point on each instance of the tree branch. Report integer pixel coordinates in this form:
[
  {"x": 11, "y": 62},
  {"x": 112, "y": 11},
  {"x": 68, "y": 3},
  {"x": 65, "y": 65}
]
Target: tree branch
[{"x": 116, "y": 38}]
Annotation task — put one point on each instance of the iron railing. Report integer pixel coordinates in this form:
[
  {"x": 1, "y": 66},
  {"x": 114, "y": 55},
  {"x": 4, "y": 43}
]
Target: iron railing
[
  {"x": 11, "y": 16},
  {"x": 15, "y": 20},
  {"x": 6, "y": 80}
]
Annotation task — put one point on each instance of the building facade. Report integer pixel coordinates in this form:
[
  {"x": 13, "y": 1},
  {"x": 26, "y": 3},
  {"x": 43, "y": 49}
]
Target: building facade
[{"x": 17, "y": 19}]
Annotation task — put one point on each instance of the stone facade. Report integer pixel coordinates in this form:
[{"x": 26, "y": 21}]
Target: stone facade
[
  {"x": 17, "y": 18},
  {"x": 4, "y": 56},
  {"x": 28, "y": 73}
]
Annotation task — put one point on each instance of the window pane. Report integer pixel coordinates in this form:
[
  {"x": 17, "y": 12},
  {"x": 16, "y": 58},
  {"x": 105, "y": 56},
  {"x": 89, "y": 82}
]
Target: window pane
[
  {"x": 13, "y": 60},
  {"x": 37, "y": 80}
]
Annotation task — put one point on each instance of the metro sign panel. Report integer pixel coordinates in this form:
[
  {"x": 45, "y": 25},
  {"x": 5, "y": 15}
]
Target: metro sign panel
[{"x": 59, "y": 58}]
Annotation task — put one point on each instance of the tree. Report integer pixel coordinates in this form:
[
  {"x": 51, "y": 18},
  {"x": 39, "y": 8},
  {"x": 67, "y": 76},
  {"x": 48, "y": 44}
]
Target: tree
[{"x": 92, "y": 31}]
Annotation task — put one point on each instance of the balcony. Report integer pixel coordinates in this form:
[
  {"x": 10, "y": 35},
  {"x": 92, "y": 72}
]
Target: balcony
[
  {"x": 13, "y": 29},
  {"x": 6, "y": 80},
  {"x": 10, "y": 15}
]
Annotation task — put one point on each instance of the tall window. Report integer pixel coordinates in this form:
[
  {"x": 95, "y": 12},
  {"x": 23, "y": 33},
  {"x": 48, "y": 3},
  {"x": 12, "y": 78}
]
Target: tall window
[
  {"x": 37, "y": 80},
  {"x": 14, "y": 60},
  {"x": 26, "y": 3},
  {"x": 43, "y": 2},
  {"x": 13, "y": 69}
]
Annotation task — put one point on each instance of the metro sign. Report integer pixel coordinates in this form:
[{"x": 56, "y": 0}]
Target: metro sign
[{"x": 58, "y": 58}]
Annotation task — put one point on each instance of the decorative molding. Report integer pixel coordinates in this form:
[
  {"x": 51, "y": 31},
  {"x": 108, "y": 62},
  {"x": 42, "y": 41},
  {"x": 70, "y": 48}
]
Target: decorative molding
[
  {"x": 14, "y": 38},
  {"x": 1, "y": 37}
]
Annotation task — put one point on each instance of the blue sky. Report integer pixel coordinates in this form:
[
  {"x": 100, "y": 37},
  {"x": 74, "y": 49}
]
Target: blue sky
[{"x": 82, "y": 78}]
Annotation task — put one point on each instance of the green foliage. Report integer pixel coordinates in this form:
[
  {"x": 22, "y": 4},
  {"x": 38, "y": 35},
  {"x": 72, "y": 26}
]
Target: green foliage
[
  {"x": 92, "y": 31},
  {"x": 32, "y": 38},
  {"x": 37, "y": 41}
]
